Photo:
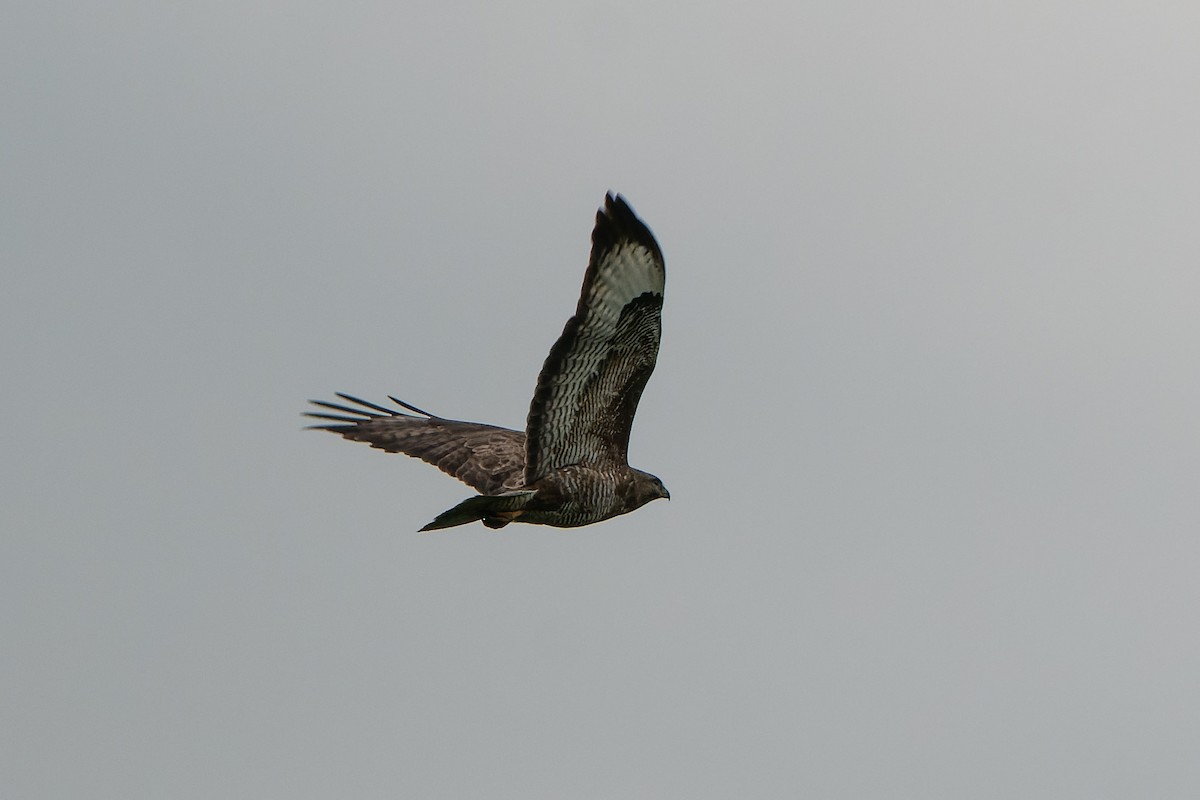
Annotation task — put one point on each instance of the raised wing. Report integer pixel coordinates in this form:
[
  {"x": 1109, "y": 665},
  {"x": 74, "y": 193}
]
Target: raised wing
[
  {"x": 589, "y": 387},
  {"x": 489, "y": 459}
]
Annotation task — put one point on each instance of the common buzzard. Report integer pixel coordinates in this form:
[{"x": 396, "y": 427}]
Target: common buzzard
[{"x": 570, "y": 466}]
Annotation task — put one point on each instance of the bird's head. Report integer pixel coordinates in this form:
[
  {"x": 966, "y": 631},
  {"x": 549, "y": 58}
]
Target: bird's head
[{"x": 647, "y": 487}]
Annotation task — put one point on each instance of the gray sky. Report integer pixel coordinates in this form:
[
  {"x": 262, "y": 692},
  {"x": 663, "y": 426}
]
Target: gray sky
[{"x": 926, "y": 403}]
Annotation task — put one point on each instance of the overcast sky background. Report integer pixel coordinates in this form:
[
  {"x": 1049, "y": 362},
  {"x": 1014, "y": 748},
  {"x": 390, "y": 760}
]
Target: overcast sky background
[{"x": 926, "y": 402}]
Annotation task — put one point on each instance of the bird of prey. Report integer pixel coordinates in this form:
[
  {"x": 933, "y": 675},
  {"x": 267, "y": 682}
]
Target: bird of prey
[{"x": 570, "y": 466}]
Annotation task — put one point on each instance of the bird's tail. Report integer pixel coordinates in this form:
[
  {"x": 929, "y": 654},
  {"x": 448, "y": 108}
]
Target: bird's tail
[{"x": 495, "y": 511}]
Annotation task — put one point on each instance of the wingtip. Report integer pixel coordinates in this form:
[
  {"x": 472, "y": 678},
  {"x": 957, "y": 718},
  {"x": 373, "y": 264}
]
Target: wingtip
[
  {"x": 615, "y": 203},
  {"x": 617, "y": 220},
  {"x": 441, "y": 522}
]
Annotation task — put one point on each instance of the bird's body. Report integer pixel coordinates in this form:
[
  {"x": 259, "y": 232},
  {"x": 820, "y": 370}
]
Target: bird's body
[{"x": 569, "y": 467}]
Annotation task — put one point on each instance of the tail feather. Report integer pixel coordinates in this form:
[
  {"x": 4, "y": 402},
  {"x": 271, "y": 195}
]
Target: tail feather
[{"x": 494, "y": 510}]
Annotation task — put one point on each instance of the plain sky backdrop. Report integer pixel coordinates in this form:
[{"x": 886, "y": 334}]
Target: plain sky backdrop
[{"x": 927, "y": 402}]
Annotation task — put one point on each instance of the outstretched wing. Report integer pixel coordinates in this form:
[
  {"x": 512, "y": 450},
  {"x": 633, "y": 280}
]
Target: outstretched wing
[
  {"x": 489, "y": 459},
  {"x": 589, "y": 387}
]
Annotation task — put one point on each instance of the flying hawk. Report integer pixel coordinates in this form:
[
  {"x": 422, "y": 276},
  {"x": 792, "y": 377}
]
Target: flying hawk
[{"x": 570, "y": 466}]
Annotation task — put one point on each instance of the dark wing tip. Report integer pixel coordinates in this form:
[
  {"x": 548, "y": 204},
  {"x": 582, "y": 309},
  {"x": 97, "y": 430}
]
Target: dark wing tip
[
  {"x": 616, "y": 222},
  {"x": 352, "y": 416}
]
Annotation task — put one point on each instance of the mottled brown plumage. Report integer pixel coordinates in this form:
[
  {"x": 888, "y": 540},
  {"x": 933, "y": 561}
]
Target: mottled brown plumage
[{"x": 570, "y": 467}]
